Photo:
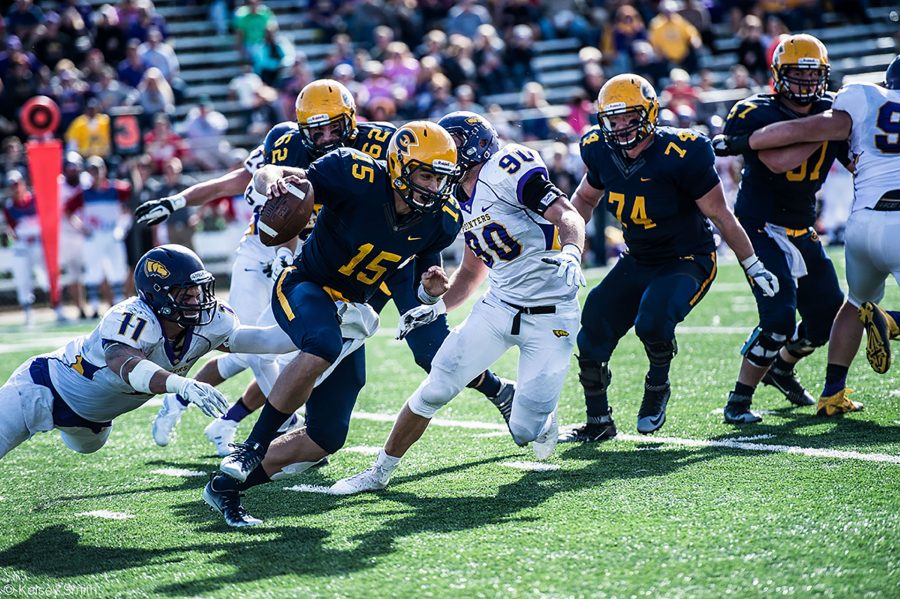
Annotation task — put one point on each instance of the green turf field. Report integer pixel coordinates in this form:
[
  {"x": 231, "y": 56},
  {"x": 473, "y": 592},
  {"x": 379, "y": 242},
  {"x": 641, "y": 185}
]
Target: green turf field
[{"x": 796, "y": 506}]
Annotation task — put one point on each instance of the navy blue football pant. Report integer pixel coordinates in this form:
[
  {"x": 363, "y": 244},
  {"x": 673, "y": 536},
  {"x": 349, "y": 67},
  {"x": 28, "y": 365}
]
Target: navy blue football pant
[
  {"x": 307, "y": 313},
  {"x": 652, "y": 298},
  {"x": 817, "y": 296}
]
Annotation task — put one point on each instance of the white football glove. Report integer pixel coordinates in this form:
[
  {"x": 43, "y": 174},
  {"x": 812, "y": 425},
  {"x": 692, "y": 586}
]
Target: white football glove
[
  {"x": 155, "y": 212},
  {"x": 284, "y": 257},
  {"x": 206, "y": 397},
  {"x": 568, "y": 262},
  {"x": 765, "y": 280},
  {"x": 419, "y": 317}
]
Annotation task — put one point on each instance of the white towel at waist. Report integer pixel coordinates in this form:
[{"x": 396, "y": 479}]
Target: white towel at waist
[{"x": 794, "y": 258}]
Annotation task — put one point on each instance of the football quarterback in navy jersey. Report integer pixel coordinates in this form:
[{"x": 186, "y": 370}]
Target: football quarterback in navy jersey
[
  {"x": 776, "y": 203},
  {"x": 374, "y": 217},
  {"x": 660, "y": 183}
]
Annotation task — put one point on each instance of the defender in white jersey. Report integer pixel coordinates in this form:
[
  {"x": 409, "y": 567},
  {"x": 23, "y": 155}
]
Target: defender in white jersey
[
  {"x": 514, "y": 221},
  {"x": 869, "y": 117},
  {"x": 140, "y": 348}
]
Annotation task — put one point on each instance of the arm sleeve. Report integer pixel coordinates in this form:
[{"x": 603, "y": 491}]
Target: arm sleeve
[{"x": 698, "y": 175}]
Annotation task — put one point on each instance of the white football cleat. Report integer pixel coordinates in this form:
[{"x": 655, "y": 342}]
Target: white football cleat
[
  {"x": 545, "y": 444},
  {"x": 167, "y": 419},
  {"x": 220, "y": 433},
  {"x": 373, "y": 479}
]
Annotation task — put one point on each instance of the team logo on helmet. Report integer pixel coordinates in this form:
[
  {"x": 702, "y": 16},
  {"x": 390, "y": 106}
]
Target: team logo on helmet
[
  {"x": 156, "y": 269},
  {"x": 406, "y": 139}
]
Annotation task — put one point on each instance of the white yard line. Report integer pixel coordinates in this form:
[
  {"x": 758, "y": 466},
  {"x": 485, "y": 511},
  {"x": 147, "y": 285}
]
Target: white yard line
[
  {"x": 531, "y": 466},
  {"x": 106, "y": 515},
  {"x": 179, "y": 472},
  {"x": 309, "y": 489},
  {"x": 363, "y": 449},
  {"x": 738, "y": 443}
]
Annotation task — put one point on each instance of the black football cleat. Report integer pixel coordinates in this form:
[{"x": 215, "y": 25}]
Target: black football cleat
[
  {"x": 242, "y": 461},
  {"x": 228, "y": 503},
  {"x": 652, "y": 414},
  {"x": 786, "y": 382},
  {"x": 591, "y": 432},
  {"x": 737, "y": 410}
]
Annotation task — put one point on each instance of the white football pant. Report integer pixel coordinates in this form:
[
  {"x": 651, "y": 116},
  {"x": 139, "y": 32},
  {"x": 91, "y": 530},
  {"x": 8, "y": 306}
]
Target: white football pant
[{"x": 873, "y": 252}]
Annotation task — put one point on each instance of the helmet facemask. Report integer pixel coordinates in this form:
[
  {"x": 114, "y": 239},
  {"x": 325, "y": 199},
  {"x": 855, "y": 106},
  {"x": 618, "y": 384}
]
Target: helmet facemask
[
  {"x": 639, "y": 126},
  {"x": 182, "y": 309},
  {"x": 810, "y": 89},
  {"x": 315, "y": 127},
  {"x": 421, "y": 198}
]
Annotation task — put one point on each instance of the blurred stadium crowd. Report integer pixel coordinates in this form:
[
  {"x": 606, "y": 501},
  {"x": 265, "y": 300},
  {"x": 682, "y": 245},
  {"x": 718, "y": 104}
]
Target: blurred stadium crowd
[{"x": 402, "y": 59}]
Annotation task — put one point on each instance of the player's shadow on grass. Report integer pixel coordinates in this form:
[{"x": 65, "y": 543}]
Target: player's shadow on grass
[
  {"x": 848, "y": 432},
  {"x": 396, "y": 514}
]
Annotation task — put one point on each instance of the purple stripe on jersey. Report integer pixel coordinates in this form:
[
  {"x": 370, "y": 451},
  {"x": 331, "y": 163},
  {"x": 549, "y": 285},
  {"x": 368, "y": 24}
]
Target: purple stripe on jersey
[
  {"x": 524, "y": 179},
  {"x": 549, "y": 231}
]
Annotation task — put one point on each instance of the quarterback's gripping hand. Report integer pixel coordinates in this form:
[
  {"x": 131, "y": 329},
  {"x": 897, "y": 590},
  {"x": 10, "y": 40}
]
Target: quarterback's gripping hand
[
  {"x": 210, "y": 401},
  {"x": 568, "y": 263},
  {"x": 756, "y": 271},
  {"x": 731, "y": 145},
  {"x": 155, "y": 212},
  {"x": 284, "y": 257},
  {"x": 419, "y": 317}
]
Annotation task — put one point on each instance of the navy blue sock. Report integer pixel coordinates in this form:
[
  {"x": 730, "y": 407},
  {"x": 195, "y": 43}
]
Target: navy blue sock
[
  {"x": 487, "y": 383},
  {"x": 782, "y": 365},
  {"x": 257, "y": 477},
  {"x": 223, "y": 482},
  {"x": 835, "y": 379},
  {"x": 658, "y": 374},
  {"x": 597, "y": 405},
  {"x": 266, "y": 427},
  {"x": 181, "y": 400},
  {"x": 237, "y": 412},
  {"x": 895, "y": 315}
]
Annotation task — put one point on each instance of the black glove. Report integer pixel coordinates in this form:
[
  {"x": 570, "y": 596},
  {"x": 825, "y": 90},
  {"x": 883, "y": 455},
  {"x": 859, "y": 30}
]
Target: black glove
[{"x": 731, "y": 145}]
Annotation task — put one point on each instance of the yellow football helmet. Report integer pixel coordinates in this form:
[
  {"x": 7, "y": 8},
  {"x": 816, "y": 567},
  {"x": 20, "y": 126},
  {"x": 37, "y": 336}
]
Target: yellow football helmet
[
  {"x": 802, "y": 52},
  {"x": 322, "y": 103},
  {"x": 626, "y": 94},
  {"x": 427, "y": 147}
]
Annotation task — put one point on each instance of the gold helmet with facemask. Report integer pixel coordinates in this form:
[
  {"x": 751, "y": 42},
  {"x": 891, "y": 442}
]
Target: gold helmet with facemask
[
  {"x": 427, "y": 147},
  {"x": 323, "y": 103},
  {"x": 800, "y": 52},
  {"x": 627, "y": 95}
]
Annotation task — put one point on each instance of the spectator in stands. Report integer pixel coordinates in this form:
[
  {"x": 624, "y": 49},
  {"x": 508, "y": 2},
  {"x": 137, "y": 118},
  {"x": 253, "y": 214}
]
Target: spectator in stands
[
  {"x": 674, "y": 38},
  {"x": 161, "y": 144},
  {"x": 181, "y": 224},
  {"x": 618, "y": 40},
  {"x": 435, "y": 100},
  {"x": 401, "y": 67},
  {"x": 377, "y": 84},
  {"x": 23, "y": 18},
  {"x": 697, "y": 14},
  {"x": 487, "y": 54},
  {"x": 457, "y": 62},
  {"x": 72, "y": 23},
  {"x": 154, "y": 95},
  {"x": 752, "y": 51},
  {"x": 383, "y": 36},
  {"x": 296, "y": 80},
  {"x": 361, "y": 17},
  {"x": 14, "y": 50},
  {"x": 89, "y": 133},
  {"x": 407, "y": 20},
  {"x": 128, "y": 12},
  {"x": 535, "y": 120},
  {"x": 131, "y": 70},
  {"x": 205, "y": 133},
  {"x": 275, "y": 53},
  {"x": 92, "y": 69},
  {"x": 581, "y": 112},
  {"x": 146, "y": 21},
  {"x": 344, "y": 74},
  {"x": 465, "y": 100},
  {"x": 109, "y": 91},
  {"x": 241, "y": 87},
  {"x": 12, "y": 158},
  {"x": 109, "y": 35},
  {"x": 465, "y": 18},
  {"x": 776, "y": 31},
  {"x": 250, "y": 24},
  {"x": 341, "y": 52},
  {"x": 20, "y": 82},
  {"x": 433, "y": 44},
  {"x": 52, "y": 45},
  {"x": 594, "y": 78},
  {"x": 324, "y": 16},
  {"x": 561, "y": 167},
  {"x": 566, "y": 23},
  {"x": 381, "y": 109},
  {"x": 84, "y": 10},
  {"x": 8, "y": 121},
  {"x": 739, "y": 78},
  {"x": 648, "y": 65},
  {"x": 517, "y": 12},
  {"x": 157, "y": 53},
  {"x": 519, "y": 52},
  {"x": 679, "y": 92},
  {"x": 256, "y": 98}
]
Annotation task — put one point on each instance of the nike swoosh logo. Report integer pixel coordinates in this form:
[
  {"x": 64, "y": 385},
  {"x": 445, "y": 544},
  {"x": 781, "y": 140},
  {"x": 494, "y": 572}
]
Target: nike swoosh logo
[
  {"x": 411, "y": 238},
  {"x": 484, "y": 208},
  {"x": 644, "y": 179}
]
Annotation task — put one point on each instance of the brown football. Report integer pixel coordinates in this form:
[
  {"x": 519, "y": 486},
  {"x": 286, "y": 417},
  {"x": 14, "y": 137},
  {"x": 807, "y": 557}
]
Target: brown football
[{"x": 283, "y": 218}]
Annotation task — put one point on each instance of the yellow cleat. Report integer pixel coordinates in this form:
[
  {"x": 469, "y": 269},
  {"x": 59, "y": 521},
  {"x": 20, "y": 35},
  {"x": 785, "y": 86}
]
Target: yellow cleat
[
  {"x": 837, "y": 404},
  {"x": 880, "y": 328}
]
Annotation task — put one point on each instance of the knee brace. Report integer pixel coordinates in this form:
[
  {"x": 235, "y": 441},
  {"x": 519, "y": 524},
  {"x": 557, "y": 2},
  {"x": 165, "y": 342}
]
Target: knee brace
[
  {"x": 595, "y": 376},
  {"x": 800, "y": 347},
  {"x": 761, "y": 347},
  {"x": 660, "y": 353}
]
